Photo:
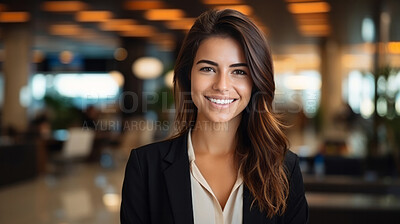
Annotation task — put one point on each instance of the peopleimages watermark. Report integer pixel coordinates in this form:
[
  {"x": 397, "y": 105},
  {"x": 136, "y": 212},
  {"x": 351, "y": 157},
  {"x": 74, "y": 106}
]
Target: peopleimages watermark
[
  {"x": 151, "y": 125},
  {"x": 284, "y": 102}
]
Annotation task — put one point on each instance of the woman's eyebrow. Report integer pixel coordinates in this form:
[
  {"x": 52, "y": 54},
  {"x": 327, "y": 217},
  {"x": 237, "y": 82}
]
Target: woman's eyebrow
[
  {"x": 207, "y": 62},
  {"x": 238, "y": 65},
  {"x": 216, "y": 64}
]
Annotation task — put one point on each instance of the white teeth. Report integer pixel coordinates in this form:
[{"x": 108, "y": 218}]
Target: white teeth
[{"x": 218, "y": 101}]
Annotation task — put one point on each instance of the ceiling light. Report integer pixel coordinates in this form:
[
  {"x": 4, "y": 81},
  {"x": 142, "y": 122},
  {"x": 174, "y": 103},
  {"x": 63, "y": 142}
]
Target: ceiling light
[
  {"x": 117, "y": 24},
  {"x": 309, "y": 7},
  {"x": 66, "y": 57},
  {"x": 93, "y": 16},
  {"x": 65, "y": 29},
  {"x": 147, "y": 68},
  {"x": 164, "y": 14},
  {"x": 311, "y": 21},
  {"x": 120, "y": 54},
  {"x": 144, "y": 5},
  {"x": 182, "y": 24},
  {"x": 169, "y": 79},
  {"x": 117, "y": 77},
  {"x": 14, "y": 17},
  {"x": 394, "y": 47},
  {"x": 63, "y": 6},
  {"x": 311, "y": 28},
  {"x": 37, "y": 56},
  {"x": 139, "y": 31}
]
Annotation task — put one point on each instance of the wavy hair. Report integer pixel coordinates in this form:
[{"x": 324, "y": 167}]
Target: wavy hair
[{"x": 262, "y": 144}]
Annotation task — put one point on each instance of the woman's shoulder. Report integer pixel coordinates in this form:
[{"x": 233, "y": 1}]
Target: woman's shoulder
[
  {"x": 161, "y": 147},
  {"x": 291, "y": 161}
]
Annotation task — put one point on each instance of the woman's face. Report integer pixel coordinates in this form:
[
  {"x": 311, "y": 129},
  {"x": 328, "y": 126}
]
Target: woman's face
[{"x": 220, "y": 80}]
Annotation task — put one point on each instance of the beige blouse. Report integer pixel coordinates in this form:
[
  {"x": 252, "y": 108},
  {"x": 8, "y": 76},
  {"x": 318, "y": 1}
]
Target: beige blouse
[{"x": 206, "y": 208}]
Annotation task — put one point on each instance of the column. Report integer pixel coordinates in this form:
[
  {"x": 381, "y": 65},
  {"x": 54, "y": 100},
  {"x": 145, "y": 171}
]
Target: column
[
  {"x": 331, "y": 89},
  {"x": 16, "y": 70}
]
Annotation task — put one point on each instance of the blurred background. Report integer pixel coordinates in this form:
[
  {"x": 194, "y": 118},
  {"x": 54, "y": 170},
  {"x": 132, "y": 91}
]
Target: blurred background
[{"x": 84, "y": 82}]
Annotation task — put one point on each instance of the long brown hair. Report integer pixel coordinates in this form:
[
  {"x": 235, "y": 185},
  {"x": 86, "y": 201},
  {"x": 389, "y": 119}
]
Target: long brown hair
[{"x": 262, "y": 145}]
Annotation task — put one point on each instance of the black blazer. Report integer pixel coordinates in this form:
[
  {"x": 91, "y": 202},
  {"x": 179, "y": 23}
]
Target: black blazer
[{"x": 157, "y": 188}]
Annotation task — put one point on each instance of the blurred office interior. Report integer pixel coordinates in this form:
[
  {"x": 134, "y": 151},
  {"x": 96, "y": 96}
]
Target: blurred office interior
[{"x": 84, "y": 82}]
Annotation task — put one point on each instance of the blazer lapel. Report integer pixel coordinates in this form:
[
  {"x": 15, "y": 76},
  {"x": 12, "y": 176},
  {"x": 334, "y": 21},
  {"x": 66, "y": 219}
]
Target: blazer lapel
[
  {"x": 254, "y": 215},
  {"x": 177, "y": 178}
]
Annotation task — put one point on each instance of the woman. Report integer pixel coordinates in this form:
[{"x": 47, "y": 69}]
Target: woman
[{"x": 229, "y": 161}]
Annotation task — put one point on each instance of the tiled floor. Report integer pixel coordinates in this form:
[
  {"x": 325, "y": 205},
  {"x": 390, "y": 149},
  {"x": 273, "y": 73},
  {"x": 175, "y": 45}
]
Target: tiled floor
[{"x": 85, "y": 193}]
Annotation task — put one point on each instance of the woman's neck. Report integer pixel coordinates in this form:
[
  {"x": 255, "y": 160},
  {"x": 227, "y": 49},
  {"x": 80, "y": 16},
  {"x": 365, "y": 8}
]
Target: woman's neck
[{"x": 215, "y": 138}]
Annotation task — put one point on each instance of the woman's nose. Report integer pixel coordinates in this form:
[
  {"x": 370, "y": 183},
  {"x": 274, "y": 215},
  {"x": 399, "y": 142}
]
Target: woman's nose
[{"x": 222, "y": 82}]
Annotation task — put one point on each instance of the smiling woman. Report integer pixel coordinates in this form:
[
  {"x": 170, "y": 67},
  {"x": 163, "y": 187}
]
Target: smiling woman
[{"x": 229, "y": 160}]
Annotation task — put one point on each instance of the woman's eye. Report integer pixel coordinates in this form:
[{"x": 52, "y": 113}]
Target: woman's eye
[
  {"x": 239, "y": 72},
  {"x": 207, "y": 69}
]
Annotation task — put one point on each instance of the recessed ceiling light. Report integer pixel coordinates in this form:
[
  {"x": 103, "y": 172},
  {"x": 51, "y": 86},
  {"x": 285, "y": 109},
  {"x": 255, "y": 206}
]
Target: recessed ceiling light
[
  {"x": 93, "y": 16},
  {"x": 14, "y": 17},
  {"x": 309, "y": 7},
  {"x": 164, "y": 14},
  {"x": 63, "y": 6}
]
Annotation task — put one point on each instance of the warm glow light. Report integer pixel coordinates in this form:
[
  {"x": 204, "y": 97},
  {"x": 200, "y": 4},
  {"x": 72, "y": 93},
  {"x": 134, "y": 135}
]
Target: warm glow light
[
  {"x": 120, "y": 54},
  {"x": 169, "y": 79},
  {"x": 245, "y": 9},
  {"x": 295, "y": 62},
  {"x": 309, "y": 7},
  {"x": 117, "y": 25},
  {"x": 182, "y": 24},
  {"x": 14, "y": 17},
  {"x": 164, "y": 14},
  {"x": 144, "y": 5},
  {"x": 311, "y": 28},
  {"x": 222, "y": 2},
  {"x": 66, "y": 57},
  {"x": 367, "y": 108},
  {"x": 357, "y": 61},
  {"x": 38, "y": 56},
  {"x": 312, "y": 21},
  {"x": 112, "y": 201},
  {"x": 117, "y": 77},
  {"x": 93, "y": 16},
  {"x": 394, "y": 47},
  {"x": 397, "y": 104},
  {"x": 63, "y": 6},
  {"x": 301, "y": 82},
  {"x": 315, "y": 30},
  {"x": 65, "y": 29},
  {"x": 136, "y": 33},
  {"x": 139, "y": 31},
  {"x": 147, "y": 68}
]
